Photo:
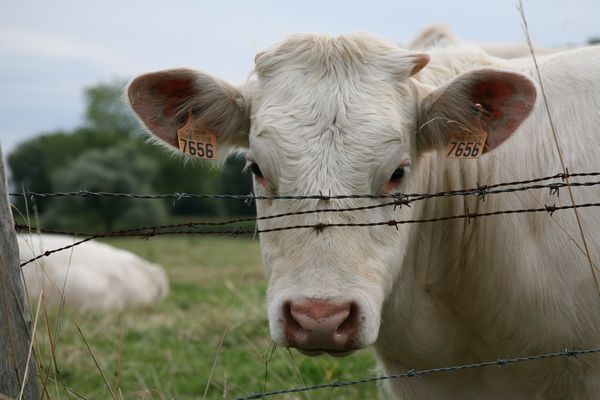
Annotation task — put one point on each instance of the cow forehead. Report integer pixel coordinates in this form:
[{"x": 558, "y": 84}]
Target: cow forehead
[
  {"x": 327, "y": 150},
  {"x": 332, "y": 125},
  {"x": 331, "y": 105},
  {"x": 342, "y": 128}
]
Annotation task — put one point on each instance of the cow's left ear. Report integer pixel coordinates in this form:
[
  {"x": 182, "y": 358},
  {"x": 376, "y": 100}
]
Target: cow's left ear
[
  {"x": 493, "y": 100},
  {"x": 165, "y": 101}
]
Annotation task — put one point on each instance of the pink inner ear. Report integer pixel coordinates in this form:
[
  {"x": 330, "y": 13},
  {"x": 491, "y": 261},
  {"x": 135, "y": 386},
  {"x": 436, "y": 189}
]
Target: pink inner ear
[
  {"x": 174, "y": 93},
  {"x": 157, "y": 98},
  {"x": 507, "y": 99}
]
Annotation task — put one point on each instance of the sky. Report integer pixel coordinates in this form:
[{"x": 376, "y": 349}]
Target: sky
[{"x": 51, "y": 50}]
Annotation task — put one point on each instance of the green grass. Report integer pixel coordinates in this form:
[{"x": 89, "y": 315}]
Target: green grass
[{"x": 214, "y": 315}]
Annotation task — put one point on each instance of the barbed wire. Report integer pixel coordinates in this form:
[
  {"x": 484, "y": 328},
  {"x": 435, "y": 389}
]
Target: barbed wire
[
  {"x": 400, "y": 200},
  {"x": 143, "y": 232},
  {"x": 148, "y": 232},
  {"x": 250, "y": 197},
  {"x": 417, "y": 373}
]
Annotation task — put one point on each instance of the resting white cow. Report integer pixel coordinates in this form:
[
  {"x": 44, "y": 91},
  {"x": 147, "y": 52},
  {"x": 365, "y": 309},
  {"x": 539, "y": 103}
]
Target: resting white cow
[
  {"x": 356, "y": 114},
  {"x": 93, "y": 276}
]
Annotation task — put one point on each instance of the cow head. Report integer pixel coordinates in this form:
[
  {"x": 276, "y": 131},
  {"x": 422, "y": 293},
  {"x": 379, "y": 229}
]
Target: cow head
[{"x": 337, "y": 116}]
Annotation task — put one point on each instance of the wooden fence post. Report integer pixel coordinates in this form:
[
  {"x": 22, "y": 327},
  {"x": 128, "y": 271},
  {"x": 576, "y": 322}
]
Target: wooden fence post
[{"x": 15, "y": 320}]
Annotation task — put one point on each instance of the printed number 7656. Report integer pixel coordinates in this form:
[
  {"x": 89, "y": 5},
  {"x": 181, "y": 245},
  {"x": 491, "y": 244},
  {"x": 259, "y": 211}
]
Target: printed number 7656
[
  {"x": 198, "y": 149},
  {"x": 464, "y": 149}
]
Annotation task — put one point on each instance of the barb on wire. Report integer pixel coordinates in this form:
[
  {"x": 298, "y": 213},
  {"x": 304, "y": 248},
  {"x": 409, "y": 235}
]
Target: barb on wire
[
  {"x": 147, "y": 232},
  {"x": 250, "y": 197},
  {"x": 418, "y": 373}
]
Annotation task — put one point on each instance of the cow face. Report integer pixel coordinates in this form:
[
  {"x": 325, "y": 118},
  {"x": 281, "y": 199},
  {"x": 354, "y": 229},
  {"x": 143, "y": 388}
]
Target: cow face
[{"x": 331, "y": 116}]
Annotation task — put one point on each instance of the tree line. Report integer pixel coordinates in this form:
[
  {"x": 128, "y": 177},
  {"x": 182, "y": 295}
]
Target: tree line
[{"x": 108, "y": 153}]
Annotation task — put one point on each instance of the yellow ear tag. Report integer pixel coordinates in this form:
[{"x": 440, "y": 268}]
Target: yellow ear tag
[
  {"x": 196, "y": 140},
  {"x": 467, "y": 144}
]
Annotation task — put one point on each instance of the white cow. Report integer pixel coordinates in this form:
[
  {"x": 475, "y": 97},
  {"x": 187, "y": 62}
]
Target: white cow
[
  {"x": 441, "y": 36},
  {"x": 355, "y": 114},
  {"x": 91, "y": 276}
]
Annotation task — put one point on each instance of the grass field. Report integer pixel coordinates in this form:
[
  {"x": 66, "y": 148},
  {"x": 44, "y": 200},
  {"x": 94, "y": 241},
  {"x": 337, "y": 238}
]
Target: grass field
[{"x": 208, "y": 339}]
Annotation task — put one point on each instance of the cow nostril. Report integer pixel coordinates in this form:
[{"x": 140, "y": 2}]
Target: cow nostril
[
  {"x": 289, "y": 320},
  {"x": 321, "y": 324},
  {"x": 350, "y": 324}
]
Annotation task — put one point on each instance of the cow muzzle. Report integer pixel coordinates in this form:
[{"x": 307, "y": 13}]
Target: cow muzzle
[{"x": 314, "y": 326}]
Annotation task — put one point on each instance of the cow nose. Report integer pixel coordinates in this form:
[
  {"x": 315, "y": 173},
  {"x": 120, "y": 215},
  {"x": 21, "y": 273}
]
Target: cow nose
[{"x": 321, "y": 325}]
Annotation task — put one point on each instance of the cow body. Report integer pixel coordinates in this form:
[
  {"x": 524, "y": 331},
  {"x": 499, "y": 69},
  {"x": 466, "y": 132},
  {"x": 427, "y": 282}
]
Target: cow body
[
  {"x": 92, "y": 277},
  {"x": 508, "y": 285},
  {"x": 436, "y": 36},
  {"x": 355, "y": 115}
]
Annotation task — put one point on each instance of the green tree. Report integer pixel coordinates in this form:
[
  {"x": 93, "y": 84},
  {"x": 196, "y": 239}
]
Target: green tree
[
  {"x": 47, "y": 164},
  {"x": 106, "y": 111},
  {"x": 233, "y": 181},
  {"x": 108, "y": 123},
  {"x": 33, "y": 162},
  {"x": 120, "y": 169},
  {"x": 178, "y": 174}
]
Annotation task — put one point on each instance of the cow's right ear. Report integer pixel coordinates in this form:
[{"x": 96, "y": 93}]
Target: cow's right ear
[
  {"x": 491, "y": 100},
  {"x": 164, "y": 101}
]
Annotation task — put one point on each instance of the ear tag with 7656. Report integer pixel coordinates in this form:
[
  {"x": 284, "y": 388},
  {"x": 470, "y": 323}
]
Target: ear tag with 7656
[
  {"x": 465, "y": 143},
  {"x": 196, "y": 140}
]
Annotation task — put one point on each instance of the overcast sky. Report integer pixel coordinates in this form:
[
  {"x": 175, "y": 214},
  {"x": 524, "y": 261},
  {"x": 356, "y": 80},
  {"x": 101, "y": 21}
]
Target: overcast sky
[{"x": 51, "y": 50}]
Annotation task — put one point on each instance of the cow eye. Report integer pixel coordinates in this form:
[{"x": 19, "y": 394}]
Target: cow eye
[
  {"x": 256, "y": 170},
  {"x": 397, "y": 175}
]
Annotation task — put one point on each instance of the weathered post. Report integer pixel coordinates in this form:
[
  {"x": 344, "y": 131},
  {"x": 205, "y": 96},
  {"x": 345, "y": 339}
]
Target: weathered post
[{"x": 15, "y": 321}]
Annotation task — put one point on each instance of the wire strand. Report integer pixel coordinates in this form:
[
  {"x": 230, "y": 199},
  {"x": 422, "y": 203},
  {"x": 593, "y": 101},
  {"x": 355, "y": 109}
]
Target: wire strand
[
  {"x": 250, "y": 196},
  {"x": 417, "y": 373},
  {"x": 148, "y": 232}
]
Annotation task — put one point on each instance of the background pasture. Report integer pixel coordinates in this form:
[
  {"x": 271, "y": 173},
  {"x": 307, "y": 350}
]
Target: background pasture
[{"x": 209, "y": 337}]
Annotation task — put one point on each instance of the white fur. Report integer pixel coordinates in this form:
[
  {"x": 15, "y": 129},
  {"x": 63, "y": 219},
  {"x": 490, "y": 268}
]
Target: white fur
[
  {"x": 92, "y": 276},
  {"x": 338, "y": 116}
]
